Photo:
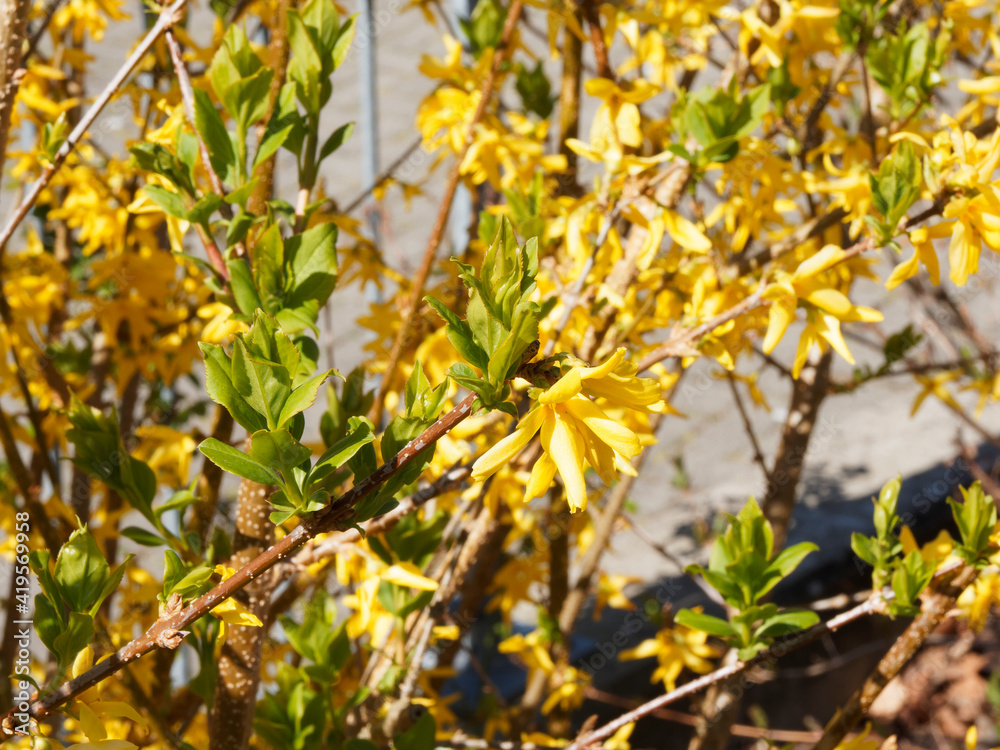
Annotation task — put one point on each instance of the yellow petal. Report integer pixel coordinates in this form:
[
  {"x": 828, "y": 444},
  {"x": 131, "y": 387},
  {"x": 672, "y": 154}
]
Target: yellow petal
[
  {"x": 905, "y": 270},
  {"x": 781, "y": 314},
  {"x": 980, "y": 86},
  {"x": 834, "y": 302},
  {"x": 233, "y": 612},
  {"x": 409, "y": 575},
  {"x": 829, "y": 331},
  {"x": 118, "y": 710},
  {"x": 501, "y": 453},
  {"x": 607, "y": 430},
  {"x": 565, "y": 446},
  {"x": 564, "y": 389},
  {"x": 542, "y": 474},
  {"x": 446, "y": 632},
  {"x": 603, "y": 370},
  {"x": 685, "y": 233},
  {"x": 908, "y": 541},
  {"x": 963, "y": 254},
  {"x": 91, "y": 724},
  {"x": 821, "y": 261}
]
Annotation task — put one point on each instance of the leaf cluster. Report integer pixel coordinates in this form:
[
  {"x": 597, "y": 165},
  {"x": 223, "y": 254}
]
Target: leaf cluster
[
  {"x": 501, "y": 321},
  {"x": 743, "y": 569}
]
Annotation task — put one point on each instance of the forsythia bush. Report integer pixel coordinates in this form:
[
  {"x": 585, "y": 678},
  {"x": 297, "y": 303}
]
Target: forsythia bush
[{"x": 746, "y": 166}]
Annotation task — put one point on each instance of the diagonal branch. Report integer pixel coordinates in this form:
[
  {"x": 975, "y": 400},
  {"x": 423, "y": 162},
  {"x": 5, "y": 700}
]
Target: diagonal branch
[
  {"x": 167, "y": 18},
  {"x": 168, "y": 631}
]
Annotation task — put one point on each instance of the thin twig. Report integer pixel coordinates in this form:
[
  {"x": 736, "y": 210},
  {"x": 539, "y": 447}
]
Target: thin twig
[
  {"x": 682, "y": 341},
  {"x": 386, "y": 174},
  {"x": 680, "y": 717},
  {"x": 758, "y": 455},
  {"x": 167, "y": 18}
]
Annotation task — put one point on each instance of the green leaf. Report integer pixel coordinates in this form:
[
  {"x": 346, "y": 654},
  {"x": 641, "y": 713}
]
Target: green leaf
[
  {"x": 459, "y": 334},
  {"x": 535, "y": 90},
  {"x": 178, "y": 501},
  {"x": 311, "y": 265},
  {"x": 111, "y": 584},
  {"x": 237, "y": 462},
  {"x": 171, "y": 203},
  {"x": 302, "y": 397},
  {"x": 783, "y": 623},
  {"x": 343, "y": 44},
  {"x": 81, "y": 570},
  {"x": 75, "y": 637},
  {"x": 142, "y": 536},
  {"x": 788, "y": 559},
  {"x": 220, "y": 387},
  {"x": 865, "y": 548},
  {"x": 267, "y": 259},
  {"x": 336, "y": 140},
  {"x": 265, "y": 385},
  {"x": 213, "y": 132},
  {"x": 418, "y": 737},
  {"x": 203, "y": 208},
  {"x": 279, "y": 451},
  {"x": 705, "y": 623},
  {"x": 272, "y": 141}
]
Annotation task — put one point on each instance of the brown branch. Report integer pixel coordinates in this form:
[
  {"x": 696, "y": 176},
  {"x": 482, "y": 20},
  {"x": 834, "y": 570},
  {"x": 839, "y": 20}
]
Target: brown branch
[
  {"x": 168, "y": 631},
  {"x": 745, "y": 263},
  {"x": 231, "y": 713},
  {"x": 680, "y": 717},
  {"x": 437, "y": 232},
  {"x": 167, "y": 18},
  {"x": 597, "y": 39},
  {"x": 13, "y": 22},
  {"x": 932, "y": 613},
  {"x": 681, "y": 342},
  {"x": 569, "y": 106},
  {"x": 808, "y": 392},
  {"x": 278, "y": 50}
]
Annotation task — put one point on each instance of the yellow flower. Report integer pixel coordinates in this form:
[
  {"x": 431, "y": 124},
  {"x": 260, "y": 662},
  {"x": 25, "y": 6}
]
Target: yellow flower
[
  {"x": 231, "y": 612},
  {"x": 574, "y": 430},
  {"x": 617, "y": 124},
  {"x": 972, "y": 739},
  {"x": 531, "y": 650},
  {"x": 611, "y": 593},
  {"x": 829, "y": 307},
  {"x": 570, "y": 691},
  {"x": 936, "y": 550},
  {"x": 860, "y": 742},
  {"x": 978, "y": 599},
  {"x": 675, "y": 648},
  {"x": 923, "y": 252},
  {"x": 935, "y": 385}
]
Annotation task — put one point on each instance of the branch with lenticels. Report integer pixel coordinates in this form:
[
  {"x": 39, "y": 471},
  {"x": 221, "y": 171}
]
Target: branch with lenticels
[{"x": 168, "y": 631}]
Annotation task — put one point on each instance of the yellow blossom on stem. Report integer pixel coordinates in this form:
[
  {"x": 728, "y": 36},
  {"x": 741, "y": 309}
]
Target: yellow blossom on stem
[
  {"x": 978, "y": 599},
  {"x": 674, "y": 649},
  {"x": 829, "y": 307},
  {"x": 231, "y": 612},
  {"x": 575, "y": 431}
]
